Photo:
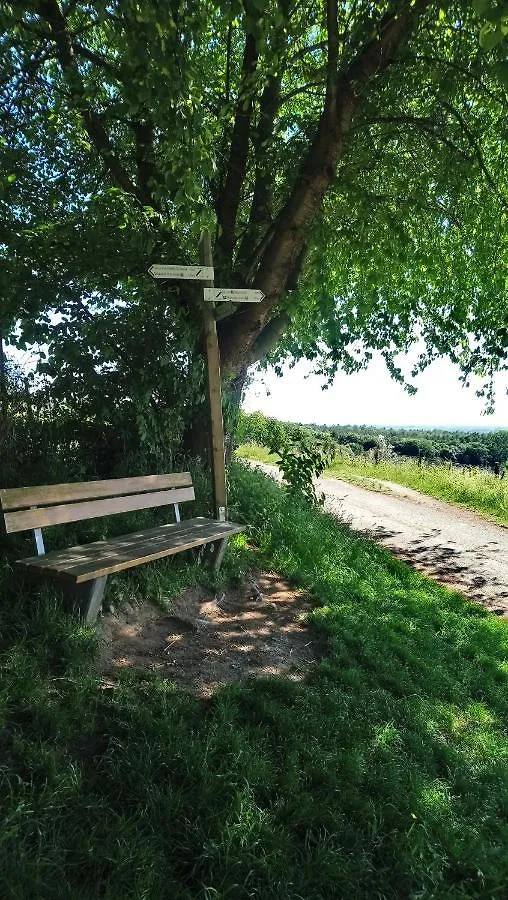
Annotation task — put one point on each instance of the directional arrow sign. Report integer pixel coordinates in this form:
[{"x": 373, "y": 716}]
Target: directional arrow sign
[
  {"x": 195, "y": 273},
  {"x": 232, "y": 295}
]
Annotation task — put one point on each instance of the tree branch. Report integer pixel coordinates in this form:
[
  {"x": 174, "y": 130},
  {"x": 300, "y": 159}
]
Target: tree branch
[
  {"x": 229, "y": 41},
  {"x": 229, "y": 199},
  {"x": 50, "y": 12},
  {"x": 145, "y": 159},
  {"x": 332, "y": 30},
  {"x": 302, "y": 89},
  {"x": 298, "y": 54},
  {"x": 318, "y": 168},
  {"x": 428, "y": 126},
  {"x": 269, "y": 337},
  {"x": 500, "y": 97},
  {"x": 261, "y": 215},
  {"x": 417, "y": 202},
  {"x": 260, "y": 211},
  {"x": 98, "y": 59},
  {"x": 476, "y": 148}
]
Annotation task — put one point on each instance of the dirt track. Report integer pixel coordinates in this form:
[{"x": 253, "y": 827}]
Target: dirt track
[{"x": 451, "y": 544}]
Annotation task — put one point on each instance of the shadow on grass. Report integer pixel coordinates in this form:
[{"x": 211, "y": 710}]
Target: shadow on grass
[{"x": 383, "y": 775}]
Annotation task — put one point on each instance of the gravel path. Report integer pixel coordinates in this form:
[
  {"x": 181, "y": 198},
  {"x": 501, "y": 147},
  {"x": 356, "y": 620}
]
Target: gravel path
[{"x": 451, "y": 544}]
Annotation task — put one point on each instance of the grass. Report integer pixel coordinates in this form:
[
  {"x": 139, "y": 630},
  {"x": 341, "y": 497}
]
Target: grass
[
  {"x": 257, "y": 453},
  {"x": 476, "y": 489},
  {"x": 383, "y": 776}
]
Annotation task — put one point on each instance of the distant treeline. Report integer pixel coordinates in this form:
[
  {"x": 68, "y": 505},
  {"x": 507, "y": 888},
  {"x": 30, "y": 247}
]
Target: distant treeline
[{"x": 487, "y": 449}]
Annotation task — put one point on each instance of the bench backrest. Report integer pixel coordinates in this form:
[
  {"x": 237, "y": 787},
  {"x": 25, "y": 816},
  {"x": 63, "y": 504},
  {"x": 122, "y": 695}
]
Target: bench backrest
[{"x": 54, "y": 504}]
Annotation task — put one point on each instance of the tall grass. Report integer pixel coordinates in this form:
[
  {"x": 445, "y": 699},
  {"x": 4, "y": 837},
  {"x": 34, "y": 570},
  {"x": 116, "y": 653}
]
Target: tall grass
[
  {"x": 255, "y": 452},
  {"x": 384, "y": 775},
  {"x": 476, "y": 489}
]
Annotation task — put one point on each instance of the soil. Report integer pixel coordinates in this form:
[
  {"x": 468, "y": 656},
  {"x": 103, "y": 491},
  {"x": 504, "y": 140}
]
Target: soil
[{"x": 203, "y": 642}]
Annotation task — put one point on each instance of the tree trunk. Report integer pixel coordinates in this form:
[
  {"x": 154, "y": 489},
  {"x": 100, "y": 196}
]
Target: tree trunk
[
  {"x": 233, "y": 391},
  {"x": 3, "y": 376}
]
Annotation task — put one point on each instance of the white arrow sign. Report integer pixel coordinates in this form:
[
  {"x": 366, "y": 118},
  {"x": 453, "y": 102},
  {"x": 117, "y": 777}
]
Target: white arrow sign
[
  {"x": 195, "y": 273},
  {"x": 232, "y": 295}
]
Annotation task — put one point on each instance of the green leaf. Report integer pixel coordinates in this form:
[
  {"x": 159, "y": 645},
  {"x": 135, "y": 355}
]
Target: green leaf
[
  {"x": 493, "y": 12},
  {"x": 480, "y": 6},
  {"x": 500, "y": 70},
  {"x": 490, "y": 37}
]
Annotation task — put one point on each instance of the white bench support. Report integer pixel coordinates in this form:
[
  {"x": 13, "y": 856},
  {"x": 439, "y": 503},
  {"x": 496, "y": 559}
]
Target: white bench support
[{"x": 39, "y": 541}]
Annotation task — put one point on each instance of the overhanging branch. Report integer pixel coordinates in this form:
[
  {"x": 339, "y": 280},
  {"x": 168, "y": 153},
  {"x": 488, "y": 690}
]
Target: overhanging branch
[
  {"x": 51, "y": 13},
  {"x": 423, "y": 124},
  {"x": 229, "y": 199},
  {"x": 475, "y": 147},
  {"x": 319, "y": 166}
]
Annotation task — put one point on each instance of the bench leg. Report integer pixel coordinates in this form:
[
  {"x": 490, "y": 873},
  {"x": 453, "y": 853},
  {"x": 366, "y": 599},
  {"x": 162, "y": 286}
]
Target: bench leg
[
  {"x": 218, "y": 552},
  {"x": 88, "y": 597}
]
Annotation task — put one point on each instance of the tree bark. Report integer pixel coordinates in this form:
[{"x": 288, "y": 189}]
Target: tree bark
[
  {"x": 3, "y": 376},
  {"x": 232, "y": 400},
  {"x": 229, "y": 200},
  {"x": 282, "y": 253}
]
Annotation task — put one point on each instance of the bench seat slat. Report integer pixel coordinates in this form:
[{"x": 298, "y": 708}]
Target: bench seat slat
[
  {"x": 40, "y": 517},
  {"x": 80, "y": 564},
  {"x": 51, "y": 494}
]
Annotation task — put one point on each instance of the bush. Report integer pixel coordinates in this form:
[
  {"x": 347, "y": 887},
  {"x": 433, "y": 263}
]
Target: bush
[{"x": 301, "y": 459}]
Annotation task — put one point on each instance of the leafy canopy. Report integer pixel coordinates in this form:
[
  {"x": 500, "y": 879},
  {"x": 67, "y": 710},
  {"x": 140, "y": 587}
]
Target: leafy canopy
[{"x": 129, "y": 126}]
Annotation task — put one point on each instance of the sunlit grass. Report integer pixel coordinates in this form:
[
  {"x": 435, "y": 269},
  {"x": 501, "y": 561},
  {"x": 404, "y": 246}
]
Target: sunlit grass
[
  {"x": 476, "y": 489},
  {"x": 256, "y": 453},
  {"x": 384, "y": 774}
]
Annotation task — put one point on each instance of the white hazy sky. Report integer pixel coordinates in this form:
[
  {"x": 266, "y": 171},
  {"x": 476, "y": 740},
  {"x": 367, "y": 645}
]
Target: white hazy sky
[{"x": 372, "y": 397}]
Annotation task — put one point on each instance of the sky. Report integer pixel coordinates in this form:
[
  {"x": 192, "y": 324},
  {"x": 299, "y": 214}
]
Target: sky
[{"x": 372, "y": 397}]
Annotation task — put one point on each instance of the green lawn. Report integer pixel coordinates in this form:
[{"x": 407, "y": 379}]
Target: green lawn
[
  {"x": 383, "y": 776},
  {"x": 476, "y": 489}
]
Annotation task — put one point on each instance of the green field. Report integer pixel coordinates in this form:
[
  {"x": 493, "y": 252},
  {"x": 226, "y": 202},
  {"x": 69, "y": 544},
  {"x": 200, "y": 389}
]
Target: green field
[
  {"x": 383, "y": 775},
  {"x": 256, "y": 453},
  {"x": 476, "y": 489}
]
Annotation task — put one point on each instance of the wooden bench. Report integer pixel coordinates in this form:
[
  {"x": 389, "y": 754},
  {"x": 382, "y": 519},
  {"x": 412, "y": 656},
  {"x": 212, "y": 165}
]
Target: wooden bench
[{"x": 84, "y": 569}]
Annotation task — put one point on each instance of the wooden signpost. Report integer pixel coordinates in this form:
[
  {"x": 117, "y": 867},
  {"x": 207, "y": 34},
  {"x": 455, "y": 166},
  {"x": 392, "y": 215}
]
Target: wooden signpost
[
  {"x": 214, "y": 392},
  {"x": 211, "y": 295}
]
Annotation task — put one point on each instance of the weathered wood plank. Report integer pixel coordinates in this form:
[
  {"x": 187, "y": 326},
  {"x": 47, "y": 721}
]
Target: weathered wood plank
[
  {"x": 45, "y": 495},
  {"x": 75, "y": 512},
  {"x": 90, "y": 561}
]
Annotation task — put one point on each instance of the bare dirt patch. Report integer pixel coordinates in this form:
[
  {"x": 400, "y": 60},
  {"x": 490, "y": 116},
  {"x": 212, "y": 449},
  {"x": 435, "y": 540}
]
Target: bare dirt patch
[{"x": 206, "y": 641}]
